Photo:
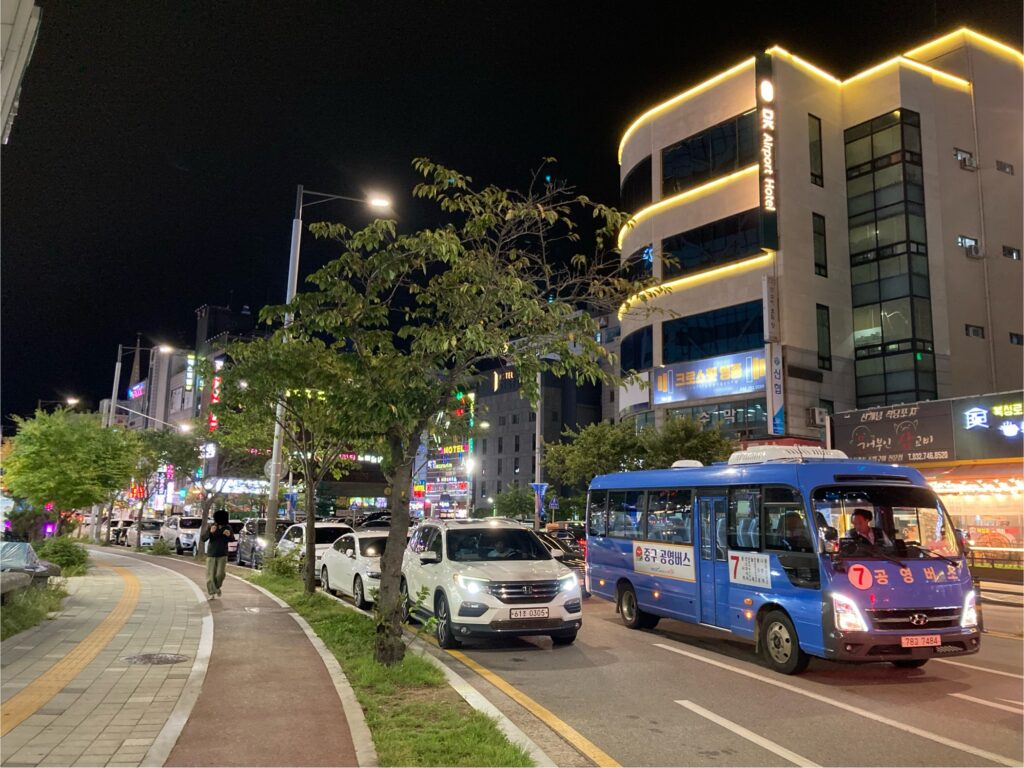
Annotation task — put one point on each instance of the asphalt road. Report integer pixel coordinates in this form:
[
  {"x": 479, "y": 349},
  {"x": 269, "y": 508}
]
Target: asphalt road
[{"x": 682, "y": 695}]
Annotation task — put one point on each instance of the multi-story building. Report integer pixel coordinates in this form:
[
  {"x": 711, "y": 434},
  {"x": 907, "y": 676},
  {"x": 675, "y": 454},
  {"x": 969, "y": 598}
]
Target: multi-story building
[
  {"x": 825, "y": 244},
  {"x": 20, "y": 25}
]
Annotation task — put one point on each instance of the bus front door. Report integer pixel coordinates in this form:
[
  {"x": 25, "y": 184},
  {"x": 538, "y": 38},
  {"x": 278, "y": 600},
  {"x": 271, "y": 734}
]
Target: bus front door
[{"x": 713, "y": 564}]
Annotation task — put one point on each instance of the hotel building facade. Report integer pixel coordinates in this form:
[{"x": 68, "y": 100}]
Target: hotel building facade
[{"x": 823, "y": 245}]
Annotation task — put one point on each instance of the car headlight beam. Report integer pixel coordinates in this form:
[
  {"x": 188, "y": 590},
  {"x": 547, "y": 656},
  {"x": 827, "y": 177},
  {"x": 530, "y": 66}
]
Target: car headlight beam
[
  {"x": 473, "y": 586},
  {"x": 568, "y": 582}
]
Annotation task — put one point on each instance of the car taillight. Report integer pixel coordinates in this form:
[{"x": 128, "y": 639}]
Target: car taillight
[{"x": 583, "y": 546}]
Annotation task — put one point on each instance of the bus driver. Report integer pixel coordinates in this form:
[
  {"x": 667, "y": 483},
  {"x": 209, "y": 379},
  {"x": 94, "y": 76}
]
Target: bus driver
[{"x": 864, "y": 531}]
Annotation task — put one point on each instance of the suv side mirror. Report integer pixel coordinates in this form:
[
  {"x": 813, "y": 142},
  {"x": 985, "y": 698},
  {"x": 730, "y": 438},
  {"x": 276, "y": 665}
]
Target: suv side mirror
[
  {"x": 829, "y": 538},
  {"x": 961, "y": 539},
  {"x": 556, "y": 553},
  {"x": 429, "y": 557},
  {"x": 351, "y": 553}
]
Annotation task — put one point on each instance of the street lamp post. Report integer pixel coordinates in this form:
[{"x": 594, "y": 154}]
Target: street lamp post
[
  {"x": 69, "y": 401},
  {"x": 290, "y": 290}
]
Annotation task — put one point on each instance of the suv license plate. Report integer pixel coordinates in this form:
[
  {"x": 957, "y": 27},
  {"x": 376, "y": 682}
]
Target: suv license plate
[
  {"x": 528, "y": 613},
  {"x": 920, "y": 641}
]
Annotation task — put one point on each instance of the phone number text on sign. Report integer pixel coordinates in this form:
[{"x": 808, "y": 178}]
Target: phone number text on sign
[
  {"x": 750, "y": 568},
  {"x": 667, "y": 560}
]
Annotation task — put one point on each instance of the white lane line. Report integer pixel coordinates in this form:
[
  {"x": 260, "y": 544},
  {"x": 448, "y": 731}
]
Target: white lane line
[
  {"x": 995, "y": 758},
  {"x": 980, "y": 669},
  {"x": 1015, "y": 710},
  {"x": 739, "y": 730},
  {"x": 1011, "y": 701}
]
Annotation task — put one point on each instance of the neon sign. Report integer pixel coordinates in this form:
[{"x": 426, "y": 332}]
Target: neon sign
[
  {"x": 767, "y": 116},
  {"x": 137, "y": 391},
  {"x": 190, "y": 373},
  {"x": 215, "y": 389}
]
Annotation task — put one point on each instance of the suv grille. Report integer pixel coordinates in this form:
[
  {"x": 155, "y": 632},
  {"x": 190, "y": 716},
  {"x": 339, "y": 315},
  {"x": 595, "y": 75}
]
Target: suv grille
[
  {"x": 524, "y": 591},
  {"x": 915, "y": 618}
]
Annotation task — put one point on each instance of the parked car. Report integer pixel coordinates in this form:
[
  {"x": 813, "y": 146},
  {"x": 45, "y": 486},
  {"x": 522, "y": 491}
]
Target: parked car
[
  {"x": 150, "y": 533},
  {"x": 351, "y": 565},
  {"x": 572, "y": 556},
  {"x": 252, "y": 540},
  {"x": 326, "y": 534},
  {"x": 19, "y": 557},
  {"x": 236, "y": 527},
  {"x": 377, "y": 523},
  {"x": 489, "y": 577},
  {"x": 119, "y": 529},
  {"x": 181, "y": 532}
]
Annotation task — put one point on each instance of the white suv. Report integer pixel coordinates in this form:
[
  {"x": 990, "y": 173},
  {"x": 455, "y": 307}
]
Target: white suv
[
  {"x": 487, "y": 578},
  {"x": 181, "y": 532}
]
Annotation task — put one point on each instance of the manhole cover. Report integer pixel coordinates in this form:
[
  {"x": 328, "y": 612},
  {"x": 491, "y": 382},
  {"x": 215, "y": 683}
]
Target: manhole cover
[{"x": 155, "y": 658}]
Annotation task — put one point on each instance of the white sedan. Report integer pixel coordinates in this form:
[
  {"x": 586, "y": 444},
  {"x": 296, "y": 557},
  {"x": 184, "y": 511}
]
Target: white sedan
[
  {"x": 150, "y": 533},
  {"x": 351, "y": 566}
]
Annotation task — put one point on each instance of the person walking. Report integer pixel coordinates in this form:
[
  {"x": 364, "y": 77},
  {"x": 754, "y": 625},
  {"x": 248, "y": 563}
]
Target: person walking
[{"x": 218, "y": 534}]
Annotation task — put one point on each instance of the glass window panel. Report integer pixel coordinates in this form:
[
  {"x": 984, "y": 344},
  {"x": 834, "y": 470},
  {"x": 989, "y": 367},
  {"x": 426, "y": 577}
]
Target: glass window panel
[
  {"x": 857, "y": 132},
  {"x": 820, "y": 246},
  {"x": 864, "y": 273},
  {"x": 747, "y": 130},
  {"x": 625, "y": 509},
  {"x": 919, "y": 264},
  {"x": 894, "y": 363},
  {"x": 636, "y": 187},
  {"x": 596, "y": 518},
  {"x": 862, "y": 185},
  {"x": 896, "y": 320},
  {"x": 722, "y": 146},
  {"x": 922, "y": 319},
  {"x": 914, "y": 174},
  {"x": 891, "y": 230},
  {"x": 870, "y": 385},
  {"x": 871, "y": 366},
  {"x": 916, "y": 230},
  {"x": 862, "y": 238},
  {"x": 886, "y": 120},
  {"x": 858, "y": 152},
  {"x": 895, "y": 382},
  {"x": 867, "y": 326},
  {"x": 892, "y": 267},
  {"x": 860, "y": 204},
  {"x": 743, "y": 529},
  {"x": 719, "y": 332},
  {"x": 886, "y": 142},
  {"x": 919, "y": 286},
  {"x": 894, "y": 287},
  {"x": 814, "y": 136},
  {"x": 912, "y": 138},
  {"x": 824, "y": 338}
]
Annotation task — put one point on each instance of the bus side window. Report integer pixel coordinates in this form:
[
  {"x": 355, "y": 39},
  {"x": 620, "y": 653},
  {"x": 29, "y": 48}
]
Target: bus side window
[
  {"x": 744, "y": 530},
  {"x": 597, "y": 518},
  {"x": 625, "y": 514},
  {"x": 669, "y": 516}
]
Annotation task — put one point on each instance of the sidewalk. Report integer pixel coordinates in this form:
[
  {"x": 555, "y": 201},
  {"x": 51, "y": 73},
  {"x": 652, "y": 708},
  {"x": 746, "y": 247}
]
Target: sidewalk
[{"x": 243, "y": 695}]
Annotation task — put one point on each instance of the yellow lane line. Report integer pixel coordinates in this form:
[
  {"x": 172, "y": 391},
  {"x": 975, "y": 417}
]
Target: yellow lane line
[
  {"x": 30, "y": 699},
  {"x": 559, "y": 726}
]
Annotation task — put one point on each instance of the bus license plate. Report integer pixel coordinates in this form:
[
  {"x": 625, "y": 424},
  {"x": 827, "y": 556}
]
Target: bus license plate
[
  {"x": 528, "y": 613},
  {"x": 920, "y": 641}
]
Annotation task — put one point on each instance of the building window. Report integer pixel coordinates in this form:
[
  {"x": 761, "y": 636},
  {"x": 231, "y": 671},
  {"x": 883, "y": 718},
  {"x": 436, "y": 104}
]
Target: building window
[
  {"x": 501, "y": 446},
  {"x": 966, "y": 242},
  {"x": 554, "y": 416},
  {"x": 499, "y": 487},
  {"x": 483, "y": 489},
  {"x": 738, "y": 419},
  {"x": 499, "y": 470},
  {"x": 820, "y": 251},
  {"x": 636, "y": 353},
  {"x": 730, "y": 239},
  {"x": 636, "y": 187},
  {"x": 824, "y": 339},
  {"x": 709, "y": 334},
  {"x": 828, "y": 405},
  {"x": 975, "y": 331},
  {"x": 643, "y": 420},
  {"x": 963, "y": 154},
  {"x": 483, "y": 445},
  {"x": 1011, "y": 253},
  {"x": 533, "y": 416},
  {"x": 501, "y": 422},
  {"x": 515, "y": 465},
  {"x": 639, "y": 265},
  {"x": 517, "y": 443},
  {"x": 515, "y": 418},
  {"x": 1017, "y": 338},
  {"x": 533, "y": 441},
  {"x": 611, "y": 395},
  {"x": 715, "y": 152},
  {"x": 1004, "y": 167},
  {"x": 814, "y": 137}
]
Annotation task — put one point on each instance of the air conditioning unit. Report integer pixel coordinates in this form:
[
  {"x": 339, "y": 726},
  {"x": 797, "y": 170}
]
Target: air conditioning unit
[
  {"x": 817, "y": 417},
  {"x": 973, "y": 251},
  {"x": 968, "y": 163}
]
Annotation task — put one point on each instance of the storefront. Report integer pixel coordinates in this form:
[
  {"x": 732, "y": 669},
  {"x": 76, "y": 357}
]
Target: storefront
[{"x": 971, "y": 451}]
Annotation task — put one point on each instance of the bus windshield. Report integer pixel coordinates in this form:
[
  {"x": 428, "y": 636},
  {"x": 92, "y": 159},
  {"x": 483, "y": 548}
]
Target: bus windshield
[{"x": 905, "y": 522}]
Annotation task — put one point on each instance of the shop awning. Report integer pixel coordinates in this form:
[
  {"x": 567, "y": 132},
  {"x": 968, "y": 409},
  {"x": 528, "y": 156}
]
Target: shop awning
[{"x": 1001, "y": 478}]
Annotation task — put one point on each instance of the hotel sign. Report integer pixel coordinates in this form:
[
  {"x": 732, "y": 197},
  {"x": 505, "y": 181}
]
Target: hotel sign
[
  {"x": 738, "y": 374},
  {"x": 768, "y": 176}
]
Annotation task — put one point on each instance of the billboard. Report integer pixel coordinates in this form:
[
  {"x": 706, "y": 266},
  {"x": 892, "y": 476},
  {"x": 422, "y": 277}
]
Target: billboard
[
  {"x": 897, "y": 434},
  {"x": 737, "y": 374},
  {"x": 989, "y": 427}
]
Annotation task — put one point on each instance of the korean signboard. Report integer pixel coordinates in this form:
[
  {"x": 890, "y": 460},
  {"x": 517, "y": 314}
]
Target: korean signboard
[
  {"x": 989, "y": 427},
  {"x": 736, "y": 374},
  {"x": 897, "y": 434},
  {"x": 137, "y": 390}
]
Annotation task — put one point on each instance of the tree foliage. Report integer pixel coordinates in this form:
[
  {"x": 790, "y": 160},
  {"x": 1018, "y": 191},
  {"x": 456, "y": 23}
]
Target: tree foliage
[
  {"x": 515, "y": 503},
  {"x": 411, "y": 318},
  {"x": 68, "y": 459},
  {"x": 683, "y": 438}
]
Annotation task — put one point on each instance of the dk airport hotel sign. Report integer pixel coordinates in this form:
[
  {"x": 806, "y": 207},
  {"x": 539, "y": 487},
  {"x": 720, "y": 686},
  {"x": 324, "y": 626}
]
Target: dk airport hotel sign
[{"x": 768, "y": 171}]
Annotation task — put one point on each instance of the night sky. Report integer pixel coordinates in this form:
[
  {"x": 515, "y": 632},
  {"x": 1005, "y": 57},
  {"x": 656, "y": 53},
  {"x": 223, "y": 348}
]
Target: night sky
[{"x": 153, "y": 162}]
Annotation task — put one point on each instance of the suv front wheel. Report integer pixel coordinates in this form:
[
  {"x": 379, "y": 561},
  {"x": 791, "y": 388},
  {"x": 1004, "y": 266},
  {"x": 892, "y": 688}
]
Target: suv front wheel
[{"x": 445, "y": 636}]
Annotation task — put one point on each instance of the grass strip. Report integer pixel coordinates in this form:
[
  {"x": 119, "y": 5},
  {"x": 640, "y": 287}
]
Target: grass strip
[
  {"x": 29, "y": 607},
  {"x": 413, "y": 714}
]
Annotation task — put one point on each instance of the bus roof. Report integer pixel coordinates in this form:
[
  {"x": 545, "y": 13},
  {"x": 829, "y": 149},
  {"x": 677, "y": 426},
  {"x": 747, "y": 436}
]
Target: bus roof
[{"x": 805, "y": 474}]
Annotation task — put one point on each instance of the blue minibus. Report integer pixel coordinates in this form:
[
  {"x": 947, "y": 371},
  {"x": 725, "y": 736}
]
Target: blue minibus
[{"x": 801, "y": 550}]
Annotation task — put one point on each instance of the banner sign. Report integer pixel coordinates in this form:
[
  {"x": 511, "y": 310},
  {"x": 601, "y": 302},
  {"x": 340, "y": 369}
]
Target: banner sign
[
  {"x": 669, "y": 561},
  {"x": 897, "y": 434},
  {"x": 735, "y": 374},
  {"x": 989, "y": 427},
  {"x": 775, "y": 391}
]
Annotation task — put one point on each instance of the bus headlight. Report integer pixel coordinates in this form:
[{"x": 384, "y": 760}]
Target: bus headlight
[
  {"x": 848, "y": 618},
  {"x": 970, "y": 615},
  {"x": 568, "y": 582}
]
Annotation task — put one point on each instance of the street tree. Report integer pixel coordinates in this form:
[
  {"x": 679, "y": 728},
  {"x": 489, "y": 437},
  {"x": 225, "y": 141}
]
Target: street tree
[
  {"x": 69, "y": 460},
  {"x": 683, "y": 438},
  {"x": 595, "y": 449},
  {"x": 515, "y": 503},
  {"x": 416, "y": 316},
  {"x": 309, "y": 378}
]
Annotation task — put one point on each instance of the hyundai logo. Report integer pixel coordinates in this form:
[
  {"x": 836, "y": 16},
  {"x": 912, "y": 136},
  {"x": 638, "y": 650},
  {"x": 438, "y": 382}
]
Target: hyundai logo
[{"x": 919, "y": 619}]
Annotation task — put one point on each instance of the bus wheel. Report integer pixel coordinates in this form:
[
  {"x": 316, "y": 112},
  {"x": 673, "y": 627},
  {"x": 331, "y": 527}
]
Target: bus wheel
[
  {"x": 910, "y": 663},
  {"x": 632, "y": 616},
  {"x": 781, "y": 646}
]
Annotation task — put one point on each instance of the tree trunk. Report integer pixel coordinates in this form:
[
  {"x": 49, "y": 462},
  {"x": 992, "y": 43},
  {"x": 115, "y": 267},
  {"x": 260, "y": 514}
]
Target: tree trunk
[
  {"x": 204, "y": 506},
  {"x": 110, "y": 514},
  {"x": 138, "y": 526},
  {"x": 388, "y": 646},
  {"x": 309, "y": 557}
]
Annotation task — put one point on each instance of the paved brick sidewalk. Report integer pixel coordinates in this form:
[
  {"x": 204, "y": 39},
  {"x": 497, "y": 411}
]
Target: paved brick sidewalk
[{"x": 111, "y": 712}]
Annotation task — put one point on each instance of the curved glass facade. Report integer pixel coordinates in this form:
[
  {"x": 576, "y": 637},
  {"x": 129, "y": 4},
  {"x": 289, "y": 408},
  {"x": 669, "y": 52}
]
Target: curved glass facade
[
  {"x": 636, "y": 352},
  {"x": 720, "y": 242},
  {"x": 720, "y": 332},
  {"x": 636, "y": 187},
  {"x": 717, "y": 151}
]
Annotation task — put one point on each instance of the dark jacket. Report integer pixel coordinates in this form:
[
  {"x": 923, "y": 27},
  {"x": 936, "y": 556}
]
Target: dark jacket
[
  {"x": 218, "y": 540},
  {"x": 880, "y": 537}
]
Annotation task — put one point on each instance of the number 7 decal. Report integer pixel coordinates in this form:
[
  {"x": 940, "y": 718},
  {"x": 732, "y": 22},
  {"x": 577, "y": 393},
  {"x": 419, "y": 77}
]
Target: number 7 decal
[{"x": 735, "y": 564}]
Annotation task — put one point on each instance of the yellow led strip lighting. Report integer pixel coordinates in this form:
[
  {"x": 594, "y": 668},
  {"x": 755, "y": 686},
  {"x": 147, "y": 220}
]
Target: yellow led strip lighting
[
  {"x": 689, "y": 281},
  {"x": 682, "y": 197},
  {"x": 675, "y": 100},
  {"x": 981, "y": 40}
]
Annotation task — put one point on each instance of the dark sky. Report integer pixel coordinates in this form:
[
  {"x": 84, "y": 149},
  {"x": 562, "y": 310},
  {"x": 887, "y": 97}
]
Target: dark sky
[{"x": 153, "y": 163}]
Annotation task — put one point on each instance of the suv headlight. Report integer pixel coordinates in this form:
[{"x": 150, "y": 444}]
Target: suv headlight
[
  {"x": 848, "y": 618},
  {"x": 568, "y": 582},
  {"x": 970, "y": 615},
  {"x": 471, "y": 585}
]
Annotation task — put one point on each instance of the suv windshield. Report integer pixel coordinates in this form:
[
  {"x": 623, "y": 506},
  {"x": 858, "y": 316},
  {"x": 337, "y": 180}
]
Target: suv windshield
[
  {"x": 373, "y": 547},
  {"x": 911, "y": 521},
  {"x": 330, "y": 534},
  {"x": 487, "y": 544},
  {"x": 190, "y": 522}
]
